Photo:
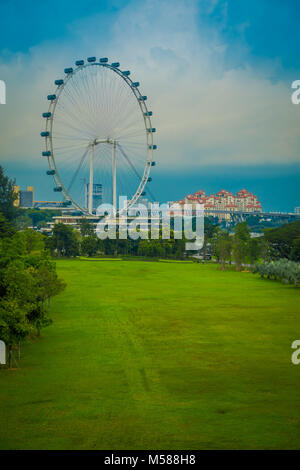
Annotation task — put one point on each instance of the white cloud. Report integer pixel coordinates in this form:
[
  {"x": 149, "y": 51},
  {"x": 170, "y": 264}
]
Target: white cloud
[{"x": 204, "y": 113}]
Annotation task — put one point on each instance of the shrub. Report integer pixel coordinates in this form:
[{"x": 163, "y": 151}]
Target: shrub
[{"x": 285, "y": 270}]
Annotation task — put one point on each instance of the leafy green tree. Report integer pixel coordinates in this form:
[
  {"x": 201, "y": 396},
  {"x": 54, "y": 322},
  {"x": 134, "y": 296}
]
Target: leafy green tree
[
  {"x": 86, "y": 228},
  {"x": 23, "y": 221},
  {"x": 295, "y": 252},
  {"x": 281, "y": 239},
  {"x": 255, "y": 250},
  {"x": 222, "y": 244},
  {"x": 240, "y": 246},
  {"x": 7, "y": 197},
  {"x": 89, "y": 246},
  {"x": 65, "y": 241},
  {"x": 14, "y": 325},
  {"x": 7, "y": 229},
  {"x": 242, "y": 231},
  {"x": 35, "y": 217},
  {"x": 34, "y": 241}
]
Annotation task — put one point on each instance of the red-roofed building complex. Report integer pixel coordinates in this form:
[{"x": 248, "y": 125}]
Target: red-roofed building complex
[{"x": 224, "y": 201}]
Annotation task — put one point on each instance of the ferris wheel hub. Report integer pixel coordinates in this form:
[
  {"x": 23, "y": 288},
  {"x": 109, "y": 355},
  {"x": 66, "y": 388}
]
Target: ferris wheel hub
[{"x": 106, "y": 140}]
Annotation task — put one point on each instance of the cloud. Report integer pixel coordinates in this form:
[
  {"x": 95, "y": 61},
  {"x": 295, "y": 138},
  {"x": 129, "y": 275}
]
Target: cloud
[{"x": 204, "y": 112}]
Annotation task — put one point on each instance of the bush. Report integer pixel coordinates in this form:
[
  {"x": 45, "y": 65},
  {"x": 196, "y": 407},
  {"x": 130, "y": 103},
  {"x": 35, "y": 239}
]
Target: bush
[{"x": 285, "y": 270}]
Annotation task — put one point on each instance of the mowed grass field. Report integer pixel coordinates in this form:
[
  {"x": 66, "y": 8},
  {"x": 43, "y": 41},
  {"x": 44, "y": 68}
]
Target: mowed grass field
[{"x": 157, "y": 355}]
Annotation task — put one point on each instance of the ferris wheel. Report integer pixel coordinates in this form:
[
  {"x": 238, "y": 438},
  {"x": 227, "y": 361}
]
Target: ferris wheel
[{"x": 98, "y": 136}]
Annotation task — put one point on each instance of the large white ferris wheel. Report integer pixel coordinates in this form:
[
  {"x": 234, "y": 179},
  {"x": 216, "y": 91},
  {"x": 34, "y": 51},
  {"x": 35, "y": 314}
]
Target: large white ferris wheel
[{"x": 98, "y": 134}]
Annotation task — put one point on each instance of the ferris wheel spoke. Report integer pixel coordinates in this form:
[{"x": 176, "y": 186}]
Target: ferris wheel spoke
[
  {"x": 78, "y": 168},
  {"x": 134, "y": 169}
]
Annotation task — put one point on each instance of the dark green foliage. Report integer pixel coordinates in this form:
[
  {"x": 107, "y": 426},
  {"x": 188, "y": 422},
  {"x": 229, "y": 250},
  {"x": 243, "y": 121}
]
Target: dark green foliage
[
  {"x": 222, "y": 245},
  {"x": 7, "y": 197},
  {"x": 89, "y": 246},
  {"x": 86, "y": 228},
  {"x": 28, "y": 280},
  {"x": 282, "y": 241},
  {"x": 35, "y": 217},
  {"x": 7, "y": 229},
  {"x": 64, "y": 241},
  {"x": 255, "y": 249},
  {"x": 295, "y": 252}
]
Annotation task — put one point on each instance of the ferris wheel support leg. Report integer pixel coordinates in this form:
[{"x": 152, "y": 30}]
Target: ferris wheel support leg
[
  {"x": 91, "y": 182},
  {"x": 114, "y": 176}
]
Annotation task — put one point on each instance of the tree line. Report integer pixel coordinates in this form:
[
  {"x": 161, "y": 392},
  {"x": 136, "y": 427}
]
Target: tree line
[
  {"x": 68, "y": 242},
  {"x": 274, "y": 255},
  {"x": 28, "y": 278}
]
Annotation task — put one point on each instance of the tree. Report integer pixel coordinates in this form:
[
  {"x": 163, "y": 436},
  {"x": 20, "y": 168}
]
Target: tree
[
  {"x": 89, "y": 246},
  {"x": 23, "y": 221},
  {"x": 14, "y": 325},
  {"x": 295, "y": 252},
  {"x": 65, "y": 242},
  {"x": 242, "y": 231},
  {"x": 34, "y": 241},
  {"x": 282, "y": 239},
  {"x": 86, "y": 228},
  {"x": 7, "y": 197},
  {"x": 240, "y": 245},
  {"x": 6, "y": 228},
  {"x": 254, "y": 250},
  {"x": 222, "y": 247}
]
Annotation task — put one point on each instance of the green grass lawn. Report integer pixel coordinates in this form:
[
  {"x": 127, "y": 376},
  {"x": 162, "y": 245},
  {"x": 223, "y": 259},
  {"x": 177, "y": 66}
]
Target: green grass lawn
[{"x": 152, "y": 355}]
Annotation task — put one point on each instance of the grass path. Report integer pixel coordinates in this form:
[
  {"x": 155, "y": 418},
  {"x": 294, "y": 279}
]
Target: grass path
[{"x": 146, "y": 355}]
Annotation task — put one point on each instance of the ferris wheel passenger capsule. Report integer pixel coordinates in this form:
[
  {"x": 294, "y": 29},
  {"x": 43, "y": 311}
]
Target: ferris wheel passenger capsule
[
  {"x": 57, "y": 189},
  {"x": 58, "y": 82},
  {"x": 79, "y": 62},
  {"x": 151, "y": 129},
  {"x": 51, "y": 97},
  {"x": 45, "y": 134},
  {"x": 91, "y": 59},
  {"x": 148, "y": 113},
  {"x": 142, "y": 98},
  {"x": 68, "y": 70},
  {"x": 153, "y": 147},
  {"x": 46, "y": 115},
  {"x": 126, "y": 73},
  {"x": 103, "y": 60},
  {"x": 50, "y": 172},
  {"x": 46, "y": 154},
  {"x": 135, "y": 84},
  {"x": 115, "y": 64}
]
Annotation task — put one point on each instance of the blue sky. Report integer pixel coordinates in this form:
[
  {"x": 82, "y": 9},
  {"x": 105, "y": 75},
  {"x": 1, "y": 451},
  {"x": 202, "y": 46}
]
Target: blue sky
[{"x": 222, "y": 68}]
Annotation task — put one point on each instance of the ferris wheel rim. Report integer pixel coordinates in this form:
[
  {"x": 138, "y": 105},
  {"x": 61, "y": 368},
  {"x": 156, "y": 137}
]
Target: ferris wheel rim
[{"x": 134, "y": 86}]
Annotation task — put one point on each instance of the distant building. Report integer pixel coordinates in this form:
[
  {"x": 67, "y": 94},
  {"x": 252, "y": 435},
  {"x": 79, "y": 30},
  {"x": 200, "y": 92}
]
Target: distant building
[
  {"x": 97, "y": 195},
  {"x": 49, "y": 205},
  {"x": 17, "y": 193},
  {"x": 24, "y": 197},
  {"x": 297, "y": 210},
  {"x": 224, "y": 201}
]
